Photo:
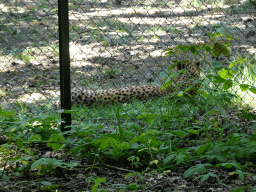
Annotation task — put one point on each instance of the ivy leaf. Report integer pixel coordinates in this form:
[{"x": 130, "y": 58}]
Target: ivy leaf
[
  {"x": 194, "y": 50},
  {"x": 200, "y": 150},
  {"x": 197, "y": 168},
  {"x": 227, "y": 84},
  {"x": 19, "y": 143},
  {"x": 218, "y": 79},
  {"x": 253, "y": 90},
  {"x": 58, "y": 138},
  {"x": 244, "y": 87},
  {"x": 227, "y": 73},
  {"x": 231, "y": 165},
  {"x": 35, "y": 137},
  {"x": 220, "y": 48},
  {"x": 169, "y": 158}
]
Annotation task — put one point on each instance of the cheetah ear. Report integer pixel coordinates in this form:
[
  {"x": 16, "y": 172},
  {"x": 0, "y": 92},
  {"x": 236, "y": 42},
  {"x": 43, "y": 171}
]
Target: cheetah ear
[
  {"x": 198, "y": 63},
  {"x": 182, "y": 64}
]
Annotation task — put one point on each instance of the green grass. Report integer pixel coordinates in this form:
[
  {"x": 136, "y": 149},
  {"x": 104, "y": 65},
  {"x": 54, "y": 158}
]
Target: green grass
[{"x": 111, "y": 72}]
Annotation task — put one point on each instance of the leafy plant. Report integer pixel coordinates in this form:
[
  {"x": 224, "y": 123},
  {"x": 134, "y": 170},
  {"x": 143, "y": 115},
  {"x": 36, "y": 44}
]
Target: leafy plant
[
  {"x": 111, "y": 72},
  {"x": 97, "y": 182},
  {"x": 225, "y": 77},
  {"x": 253, "y": 2},
  {"x": 216, "y": 46},
  {"x": 49, "y": 163},
  {"x": 26, "y": 58},
  {"x": 201, "y": 169}
]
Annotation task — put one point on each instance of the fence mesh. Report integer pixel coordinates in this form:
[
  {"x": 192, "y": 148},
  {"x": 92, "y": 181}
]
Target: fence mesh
[
  {"x": 115, "y": 44},
  {"x": 29, "y": 54}
]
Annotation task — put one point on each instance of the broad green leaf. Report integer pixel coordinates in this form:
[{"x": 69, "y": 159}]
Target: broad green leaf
[
  {"x": 211, "y": 112},
  {"x": 180, "y": 133},
  {"x": 147, "y": 117},
  {"x": 220, "y": 158},
  {"x": 200, "y": 150},
  {"x": 197, "y": 168},
  {"x": 170, "y": 77},
  {"x": 227, "y": 73},
  {"x": 169, "y": 52},
  {"x": 238, "y": 60},
  {"x": 207, "y": 49},
  {"x": 190, "y": 87},
  {"x": 204, "y": 94},
  {"x": 241, "y": 176},
  {"x": 230, "y": 165},
  {"x": 216, "y": 50},
  {"x": 48, "y": 183},
  {"x": 218, "y": 79},
  {"x": 19, "y": 143},
  {"x": 35, "y": 137},
  {"x": 180, "y": 93},
  {"x": 154, "y": 162},
  {"x": 36, "y": 164},
  {"x": 58, "y": 138},
  {"x": 193, "y": 131},
  {"x": 223, "y": 48},
  {"x": 169, "y": 158},
  {"x": 100, "y": 180},
  {"x": 249, "y": 116},
  {"x": 209, "y": 76},
  {"x": 13, "y": 129},
  {"x": 95, "y": 187},
  {"x": 244, "y": 87},
  {"x": 227, "y": 84},
  {"x": 242, "y": 189},
  {"x": 233, "y": 64},
  {"x": 5, "y": 177},
  {"x": 193, "y": 49},
  {"x": 24, "y": 161},
  {"x": 49, "y": 161},
  {"x": 253, "y": 90},
  {"x": 132, "y": 186},
  {"x": 205, "y": 177},
  {"x": 173, "y": 66}
]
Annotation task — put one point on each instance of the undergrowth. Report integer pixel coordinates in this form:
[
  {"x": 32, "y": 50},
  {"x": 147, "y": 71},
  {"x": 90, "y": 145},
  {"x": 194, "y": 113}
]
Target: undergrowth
[{"x": 160, "y": 135}]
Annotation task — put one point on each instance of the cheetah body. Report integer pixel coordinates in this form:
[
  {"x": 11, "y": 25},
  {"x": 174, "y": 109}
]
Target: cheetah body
[{"x": 188, "y": 77}]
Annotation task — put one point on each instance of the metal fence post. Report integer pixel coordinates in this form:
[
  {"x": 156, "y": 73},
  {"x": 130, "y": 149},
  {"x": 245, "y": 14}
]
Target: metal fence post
[{"x": 65, "y": 97}]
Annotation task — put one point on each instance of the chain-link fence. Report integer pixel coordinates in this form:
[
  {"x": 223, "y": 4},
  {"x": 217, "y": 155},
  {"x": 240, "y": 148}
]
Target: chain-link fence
[
  {"x": 115, "y": 44},
  {"x": 29, "y": 54}
]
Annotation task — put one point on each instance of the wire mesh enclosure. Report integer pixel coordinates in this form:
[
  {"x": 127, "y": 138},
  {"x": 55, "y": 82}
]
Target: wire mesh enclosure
[
  {"x": 121, "y": 44},
  {"x": 29, "y": 54}
]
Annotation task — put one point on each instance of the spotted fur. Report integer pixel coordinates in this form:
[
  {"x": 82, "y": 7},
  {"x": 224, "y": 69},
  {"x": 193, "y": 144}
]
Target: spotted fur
[{"x": 183, "y": 81}]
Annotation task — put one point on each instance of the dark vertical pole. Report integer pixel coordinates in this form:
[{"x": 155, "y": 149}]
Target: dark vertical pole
[{"x": 65, "y": 98}]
